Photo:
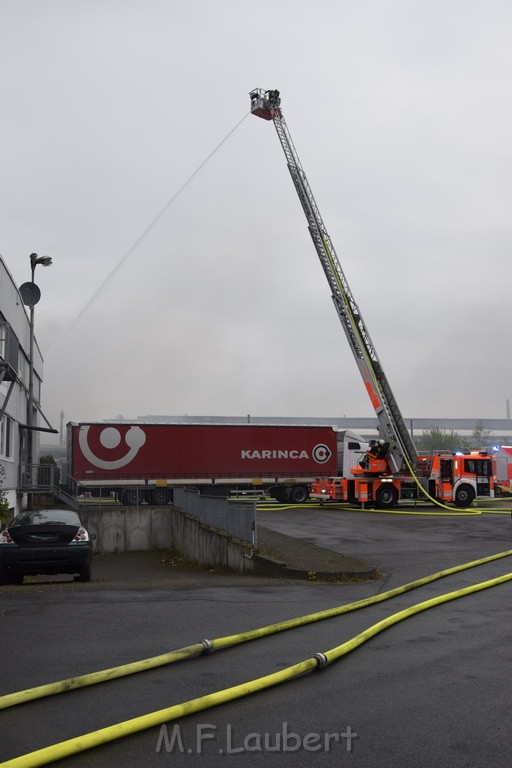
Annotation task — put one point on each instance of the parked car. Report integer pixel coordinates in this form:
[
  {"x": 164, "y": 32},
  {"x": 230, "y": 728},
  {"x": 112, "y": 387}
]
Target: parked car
[{"x": 45, "y": 541}]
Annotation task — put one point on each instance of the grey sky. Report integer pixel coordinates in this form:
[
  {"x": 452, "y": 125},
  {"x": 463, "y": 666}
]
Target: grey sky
[{"x": 400, "y": 111}]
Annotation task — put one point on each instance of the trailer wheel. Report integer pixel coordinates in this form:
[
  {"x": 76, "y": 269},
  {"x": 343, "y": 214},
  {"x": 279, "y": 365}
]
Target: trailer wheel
[
  {"x": 298, "y": 494},
  {"x": 279, "y": 493},
  {"x": 160, "y": 496},
  {"x": 386, "y": 496},
  {"x": 131, "y": 497},
  {"x": 464, "y": 496}
]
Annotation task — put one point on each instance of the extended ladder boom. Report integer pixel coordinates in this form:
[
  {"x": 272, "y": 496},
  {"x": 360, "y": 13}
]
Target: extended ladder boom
[{"x": 392, "y": 428}]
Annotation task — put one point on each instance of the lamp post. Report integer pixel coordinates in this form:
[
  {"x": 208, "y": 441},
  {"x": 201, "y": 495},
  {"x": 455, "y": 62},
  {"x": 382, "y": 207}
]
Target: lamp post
[{"x": 31, "y": 295}]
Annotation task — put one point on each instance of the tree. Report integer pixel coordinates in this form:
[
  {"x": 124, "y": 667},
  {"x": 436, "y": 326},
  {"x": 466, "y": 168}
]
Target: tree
[
  {"x": 436, "y": 441},
  {"x": 480, "y": 439}
]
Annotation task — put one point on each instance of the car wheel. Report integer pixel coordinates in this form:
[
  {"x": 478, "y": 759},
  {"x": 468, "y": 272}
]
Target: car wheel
[
  {"x": 85, "y": 573},
  {"x": 11, "y": 578}
]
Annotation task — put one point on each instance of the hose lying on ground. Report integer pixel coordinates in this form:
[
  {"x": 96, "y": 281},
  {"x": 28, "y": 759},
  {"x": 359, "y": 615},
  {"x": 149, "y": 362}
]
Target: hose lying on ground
[
  {"x": 137, "y": 724},
  {"x": 50, "y": 689}
]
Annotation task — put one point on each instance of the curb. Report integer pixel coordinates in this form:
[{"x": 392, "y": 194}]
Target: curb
[{"x": 278, "y": 569}]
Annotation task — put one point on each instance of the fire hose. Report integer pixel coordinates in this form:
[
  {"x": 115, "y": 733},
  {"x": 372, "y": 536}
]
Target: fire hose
[{"x": 318, "y": 660}]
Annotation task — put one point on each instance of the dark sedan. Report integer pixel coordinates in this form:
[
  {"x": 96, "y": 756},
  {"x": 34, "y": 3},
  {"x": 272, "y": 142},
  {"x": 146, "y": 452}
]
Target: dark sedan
[{"x": 45, "y": 541}]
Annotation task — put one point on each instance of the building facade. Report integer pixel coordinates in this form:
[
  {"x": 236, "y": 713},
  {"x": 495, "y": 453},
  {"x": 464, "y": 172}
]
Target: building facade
[{"x": 14, "y": 389}]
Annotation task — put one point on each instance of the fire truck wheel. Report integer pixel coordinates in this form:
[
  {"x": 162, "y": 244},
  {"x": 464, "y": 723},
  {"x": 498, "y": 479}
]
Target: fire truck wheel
[
  {"x": 464, "y": 496},
  {"x": 299, "y": 495},
  {"x": 386, "y": 496}
]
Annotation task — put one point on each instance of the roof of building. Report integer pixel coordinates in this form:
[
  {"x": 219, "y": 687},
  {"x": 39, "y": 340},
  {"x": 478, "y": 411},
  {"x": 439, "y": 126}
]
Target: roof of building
[{"x": 345, "y": 422}]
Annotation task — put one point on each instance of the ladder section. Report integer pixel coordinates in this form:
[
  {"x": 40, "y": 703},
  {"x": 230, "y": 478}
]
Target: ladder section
[{"x": 392, "y": 428}]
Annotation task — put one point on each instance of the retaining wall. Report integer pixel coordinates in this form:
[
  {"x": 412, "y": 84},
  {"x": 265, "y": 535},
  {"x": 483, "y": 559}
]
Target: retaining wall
[{"x": 125, "y": 529}]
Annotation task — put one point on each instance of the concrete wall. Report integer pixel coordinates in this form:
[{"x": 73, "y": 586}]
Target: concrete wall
[
  {"x": 128, "y": 528},
  {"x": 124, "y": 529},
  {"x": 199, "y": 543}
]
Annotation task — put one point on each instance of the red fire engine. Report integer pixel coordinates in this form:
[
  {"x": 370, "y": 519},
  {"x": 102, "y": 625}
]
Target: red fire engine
[
  {"x": 503, "y": 459},
  {"x": 393, "y": 469}
]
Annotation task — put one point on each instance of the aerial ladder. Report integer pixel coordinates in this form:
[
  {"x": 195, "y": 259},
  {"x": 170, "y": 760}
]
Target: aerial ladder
[
  {"x": 442, "y": 478},
  {"x": 401, "y": 452}
]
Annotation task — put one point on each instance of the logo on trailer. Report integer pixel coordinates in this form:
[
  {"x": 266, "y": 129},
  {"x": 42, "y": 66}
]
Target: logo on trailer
[
  {"x": 110, "y": 438},
  {"x": 321, "y": 453}
]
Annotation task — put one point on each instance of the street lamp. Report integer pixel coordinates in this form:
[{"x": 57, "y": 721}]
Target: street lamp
[
  {"x": 31, "y": 294},
  {"x": 35, "y": 260}
]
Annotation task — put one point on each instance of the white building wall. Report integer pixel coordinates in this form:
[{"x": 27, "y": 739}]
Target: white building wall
[{"x": 15, "y": 315}]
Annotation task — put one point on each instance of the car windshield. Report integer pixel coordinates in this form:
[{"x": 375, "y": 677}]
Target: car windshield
[{"x": 44, "y": 516}]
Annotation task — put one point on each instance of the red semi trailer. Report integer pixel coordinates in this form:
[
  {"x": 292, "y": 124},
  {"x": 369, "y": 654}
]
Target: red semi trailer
[{"x": 137, "y": 462}]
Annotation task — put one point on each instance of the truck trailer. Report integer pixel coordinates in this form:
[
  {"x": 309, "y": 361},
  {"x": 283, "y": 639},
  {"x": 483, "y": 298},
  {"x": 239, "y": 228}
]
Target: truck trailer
[{"x": 139, "y": 462}]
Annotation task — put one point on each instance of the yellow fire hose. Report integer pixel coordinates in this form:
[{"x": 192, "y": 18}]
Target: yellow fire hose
[
  {"x": 61, "y": 686},
  {"x": 267, "y": 506},
  {"x": 135, "y": 725},
  {"x": 394, "y": 511}
]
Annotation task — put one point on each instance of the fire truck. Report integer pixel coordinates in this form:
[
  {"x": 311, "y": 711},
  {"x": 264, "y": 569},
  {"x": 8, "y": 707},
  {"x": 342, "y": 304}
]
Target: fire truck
[
  {"x": 503, "y": 459},
  {"x": 392, "y": 468}
]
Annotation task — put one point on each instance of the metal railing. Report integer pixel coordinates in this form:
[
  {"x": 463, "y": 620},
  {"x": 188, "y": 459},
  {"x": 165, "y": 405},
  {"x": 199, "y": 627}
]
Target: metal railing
[
  {"x": 48, "y": 478},
  {"x": 236, "y": 518},
  {"x": 39, "y": 478}
]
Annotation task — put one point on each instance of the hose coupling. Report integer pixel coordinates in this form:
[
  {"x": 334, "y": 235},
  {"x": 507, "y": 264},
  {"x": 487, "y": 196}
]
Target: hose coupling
[
  {"x": 321, "y": 659},
  {"x": 208, "y": 645}
]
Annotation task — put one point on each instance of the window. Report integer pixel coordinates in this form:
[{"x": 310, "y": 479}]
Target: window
[
  {"x": 9, "y": 345},
  {"x": 37, "y": 388},
  {"x": 478, "y": 467},
  {"x": 447, "y": 470},
  {"x": 6, "y": 431},
  {"x": 47, "y": 516},
  {"x": 24, "y": 370}
]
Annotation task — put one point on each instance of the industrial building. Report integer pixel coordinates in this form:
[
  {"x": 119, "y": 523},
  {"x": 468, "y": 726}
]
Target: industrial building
[{"x": 17, "y": 442}]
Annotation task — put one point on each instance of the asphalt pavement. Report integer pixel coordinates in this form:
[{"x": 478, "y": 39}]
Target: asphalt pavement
[{"x": 431, "y": 691}]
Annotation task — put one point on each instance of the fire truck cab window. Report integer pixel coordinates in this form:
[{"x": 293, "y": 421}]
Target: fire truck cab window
[
  {"x": 477, "y": 466},
  {"x": 446, "y": 469}
]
